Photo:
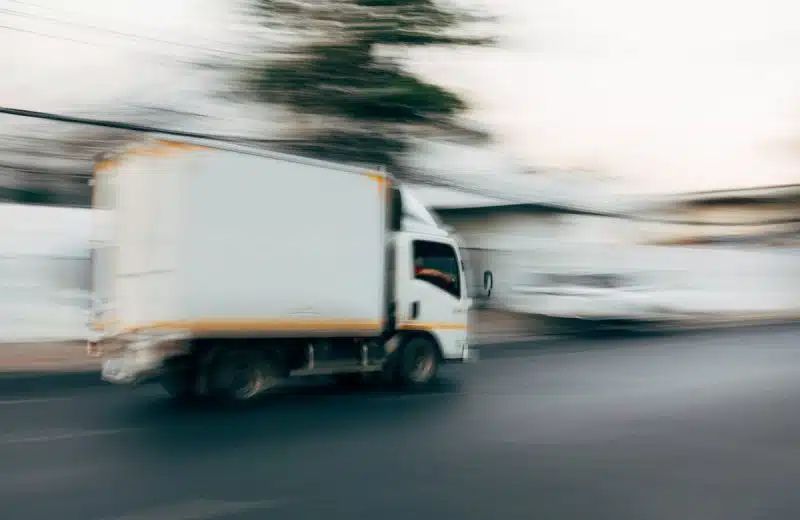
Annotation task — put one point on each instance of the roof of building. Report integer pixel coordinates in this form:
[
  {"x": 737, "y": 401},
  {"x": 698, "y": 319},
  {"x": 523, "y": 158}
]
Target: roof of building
[
  {"x": 564, "y": 192},
  {"x": 735, "y": 196}
]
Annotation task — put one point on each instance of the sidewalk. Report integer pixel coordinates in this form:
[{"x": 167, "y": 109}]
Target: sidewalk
[
  {"x": 495, "y": 327},
  {"x": 488, "y": 327},
  {"x": 66, "y": 356}
]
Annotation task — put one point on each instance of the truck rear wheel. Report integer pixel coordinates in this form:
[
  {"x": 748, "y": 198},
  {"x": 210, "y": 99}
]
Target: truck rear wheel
[
  {"x": 241, "y": 375},
  {"x": 180, "y": 382},
  {"x": 418, "y": 363}
]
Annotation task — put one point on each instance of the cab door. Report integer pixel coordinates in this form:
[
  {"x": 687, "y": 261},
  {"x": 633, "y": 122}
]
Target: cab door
[{"x": 432, "y": 291}]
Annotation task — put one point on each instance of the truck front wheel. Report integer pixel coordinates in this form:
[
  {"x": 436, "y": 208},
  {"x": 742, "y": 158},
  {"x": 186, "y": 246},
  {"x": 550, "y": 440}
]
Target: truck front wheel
[{"x": 418, "y": 363}]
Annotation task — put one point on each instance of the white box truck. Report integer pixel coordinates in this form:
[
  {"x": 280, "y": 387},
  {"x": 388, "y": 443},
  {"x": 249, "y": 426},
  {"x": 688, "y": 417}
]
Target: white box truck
[{"x": 220, "y": 270}]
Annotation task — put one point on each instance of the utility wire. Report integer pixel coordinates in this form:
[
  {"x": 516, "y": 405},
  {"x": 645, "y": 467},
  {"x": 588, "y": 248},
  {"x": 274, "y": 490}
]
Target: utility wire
[
  {"x": 46, "y": 35},
  {"x": 115, "y": 32},
  {"x": 460, "y": 186},
  {"x": 164, "y": 58},
  {"x": 136, "y": 128}
]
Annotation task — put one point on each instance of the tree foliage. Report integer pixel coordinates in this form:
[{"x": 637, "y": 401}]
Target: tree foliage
[{"x": 332, "y": 65}]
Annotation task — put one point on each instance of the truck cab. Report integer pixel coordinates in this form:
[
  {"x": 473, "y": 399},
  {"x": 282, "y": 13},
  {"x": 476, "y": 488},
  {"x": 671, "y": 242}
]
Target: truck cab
[{"x": 431, "y": 290}]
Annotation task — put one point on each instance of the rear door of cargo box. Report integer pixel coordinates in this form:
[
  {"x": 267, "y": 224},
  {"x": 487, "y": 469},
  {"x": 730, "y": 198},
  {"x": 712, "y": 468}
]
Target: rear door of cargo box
[{"x": 148, "y": 230}]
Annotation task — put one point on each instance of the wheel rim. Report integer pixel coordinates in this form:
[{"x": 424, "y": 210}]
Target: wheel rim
[
  {"x": 423, "y": 365},
  {"x": 247, "y": 383},
  {"x": 240, "y": 379}
]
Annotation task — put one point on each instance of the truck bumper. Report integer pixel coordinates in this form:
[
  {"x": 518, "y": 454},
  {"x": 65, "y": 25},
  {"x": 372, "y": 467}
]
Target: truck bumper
[
  {"x": 468, "y": 355},
  {"x": 127, "y": 370},
  {"x": 139, "y": 362}
]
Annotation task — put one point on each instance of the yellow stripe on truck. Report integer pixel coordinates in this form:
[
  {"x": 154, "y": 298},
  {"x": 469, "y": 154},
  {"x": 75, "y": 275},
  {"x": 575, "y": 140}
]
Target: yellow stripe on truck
[
  {"x": 105, "y": 165},
  {"x": 257, "y": 325},
  {"x": 160, "y": 148},
  {"x": 178, "y": 145},
  {"x": 268, "y": 325},
  {"x": 382, "y": 180},
  {"x": 414, "y": 325},
  {"x": 164, "y": 147}
]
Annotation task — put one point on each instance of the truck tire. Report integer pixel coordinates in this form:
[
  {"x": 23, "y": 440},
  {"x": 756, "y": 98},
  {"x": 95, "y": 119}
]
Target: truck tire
[
  {"x": 241, "y": 375},
  {"x": 180, "y": 383},
  {"x": 418, "y": 363}
]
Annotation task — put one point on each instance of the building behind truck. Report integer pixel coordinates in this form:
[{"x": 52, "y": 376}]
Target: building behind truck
[{"x": 220, "y": 270}]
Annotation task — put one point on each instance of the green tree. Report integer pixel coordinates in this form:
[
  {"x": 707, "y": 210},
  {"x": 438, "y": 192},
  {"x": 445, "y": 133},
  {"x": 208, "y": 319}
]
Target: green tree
[{"x": 338, "y": 67}]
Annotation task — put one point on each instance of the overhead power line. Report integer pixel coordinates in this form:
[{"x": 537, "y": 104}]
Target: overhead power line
[
  {"x": 47, "y": 116},
  {"x": 107, "y": 30},
  {"x": 47, "y": 35},
  {"x": 459, "y": 186},
  {"x": 119, "y": 125}
]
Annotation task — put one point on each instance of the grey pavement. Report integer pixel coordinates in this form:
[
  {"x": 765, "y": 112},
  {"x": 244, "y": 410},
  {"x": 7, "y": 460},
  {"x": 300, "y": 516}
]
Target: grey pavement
[{"x": 696, "y": 426}]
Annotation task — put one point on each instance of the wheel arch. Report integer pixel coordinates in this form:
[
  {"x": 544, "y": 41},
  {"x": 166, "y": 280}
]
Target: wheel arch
[{"x": 408, "y": 335}]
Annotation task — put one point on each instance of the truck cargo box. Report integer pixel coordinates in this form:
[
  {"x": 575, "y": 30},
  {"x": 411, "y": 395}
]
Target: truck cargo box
[{"x": 226, "y": 239}]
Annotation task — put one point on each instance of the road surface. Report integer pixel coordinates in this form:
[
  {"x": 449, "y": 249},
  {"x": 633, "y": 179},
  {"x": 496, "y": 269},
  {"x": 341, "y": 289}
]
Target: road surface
[{"x": 702, "y": 426}]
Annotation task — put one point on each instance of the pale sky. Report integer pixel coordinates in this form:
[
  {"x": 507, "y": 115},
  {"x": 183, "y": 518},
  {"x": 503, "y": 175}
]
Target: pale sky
[{"x": 671, "y": 95}]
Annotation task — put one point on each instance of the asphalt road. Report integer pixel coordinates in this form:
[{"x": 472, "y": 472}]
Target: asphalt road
[{"x": 696, "y": 427}]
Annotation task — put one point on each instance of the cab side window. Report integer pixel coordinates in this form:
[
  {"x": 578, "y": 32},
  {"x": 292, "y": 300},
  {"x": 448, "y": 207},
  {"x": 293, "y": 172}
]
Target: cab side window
[{"x": 437, "y": 264}]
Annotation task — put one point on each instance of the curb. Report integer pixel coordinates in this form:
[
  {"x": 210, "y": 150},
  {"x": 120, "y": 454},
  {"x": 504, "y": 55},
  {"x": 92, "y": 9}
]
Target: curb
[
  {"x": 744, "y": 323},
  {"x": 509, "y": 343},
  {"x": 502, "y": 339},
  {"x": 12, "y": 383},
  {"x": 686, "y": 327}
]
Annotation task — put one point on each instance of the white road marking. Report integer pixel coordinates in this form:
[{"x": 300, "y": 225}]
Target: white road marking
[
  {"x": 43, "y": 478},
  {"x": 12, "y": 402},
  {"x": 63, "y": 436},
  {"x": 198, "y": 510}
]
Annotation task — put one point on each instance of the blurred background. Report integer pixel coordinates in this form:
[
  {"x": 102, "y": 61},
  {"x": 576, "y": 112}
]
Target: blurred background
[
  {"x": 615, "y": 165},
  {"x": 608, "y": 164}
]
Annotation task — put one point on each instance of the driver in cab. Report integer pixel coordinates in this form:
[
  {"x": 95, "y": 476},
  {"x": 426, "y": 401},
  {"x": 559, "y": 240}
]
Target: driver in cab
[{"x": 434, "y": 275}]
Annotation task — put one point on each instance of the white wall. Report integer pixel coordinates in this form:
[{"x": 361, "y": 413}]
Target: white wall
[
  {"x": 43, "y": 298},
  {"x": 44, "y": 273},
  {"x": 730, "y": 280},
  {"x": 516, "y": 247},
  {"x": 499, "y": 230},
  {"x": 687, "y": 280}
]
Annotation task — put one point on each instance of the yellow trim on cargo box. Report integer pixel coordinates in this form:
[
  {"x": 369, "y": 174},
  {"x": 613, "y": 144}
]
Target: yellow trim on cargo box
[
  {"x": 377, "y": 177},
  {"x": 382, "y": 180},
  {"x": 159, "y": 148},
  {"x": 414, "y": 325},
  {"x": 179, "y": 145},
  {"x": 257, "y": 325},
  {"x": 106, "y": 165},
  {"x": 164, "y": 147},
  {"x": 268, "y": 325}
]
